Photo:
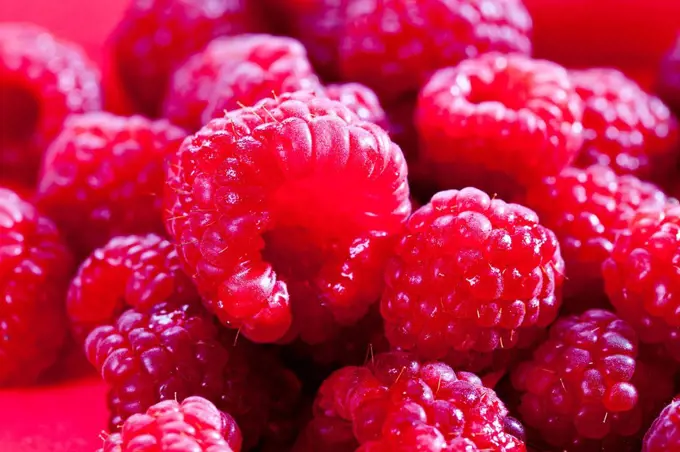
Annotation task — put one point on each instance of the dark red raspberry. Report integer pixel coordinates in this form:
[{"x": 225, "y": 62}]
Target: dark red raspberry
[
  {"x": 285, "y": 214},
  {"x": 194, "y": 425},
  {"x": 129, "y": 271},
  {"x": 35, "y": 267},
  {"x": 587, "y": 209},
  {"x": 586, "y": 389},
  {"x": 42, "y": 80},
  {"x": 668, "y": 85},
  {"x": 498, "y": 123},
  {"x": 471, "y": 275},
  {"x": 395, "y": 403},
  {"x": 624, "y": 127},
  {"x": 233, "y": 72},
  {"x": 103, "y": 177},
  {"x": 664, "y": 434},
  {"x": 393, "y": 46},
  {"x": 361, "y": 100},
  {"x": 155, "y": 36}
]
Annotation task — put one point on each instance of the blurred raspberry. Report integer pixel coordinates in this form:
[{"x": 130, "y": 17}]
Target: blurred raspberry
[
  {"x": 664, "y": 434},
  {"x": 361, "y": 100},
  {"x": 668, "y": 84}
]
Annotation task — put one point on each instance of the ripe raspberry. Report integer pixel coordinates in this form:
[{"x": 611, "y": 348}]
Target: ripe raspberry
[
  {"x": 664, "y": 434},
  {"x": 175, "y": 351},
  {"x": 129, "y": 271},
  {"x": 35, "y": 266},
  {"x": 236, "y": 71},
  {"x": 396, "y": 403},
  {"x": 194, "y": 425},
  {"x": 361, "y": 100},
  {"x": 285, "y": 213},
  {"x": 498, "y": 123},
  {"x": 471, "y": 275},
  {"x": 102, "y": 177},
  {"x": 668, "y": 85},
  {"x": 624, "y": 127},
  {"x": 42, "y": 80},
  {"x": 155, "y": 36},
  {"x": 585, "y": 388},
  {"x": 393, "y": 46},
  {"x": 587, "y": 209}
]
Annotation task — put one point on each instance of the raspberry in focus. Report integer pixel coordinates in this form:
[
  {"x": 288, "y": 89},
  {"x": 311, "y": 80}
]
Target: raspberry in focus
[
  {"x": 361, "y": 100},
  {"x": 664, "y": 434}
]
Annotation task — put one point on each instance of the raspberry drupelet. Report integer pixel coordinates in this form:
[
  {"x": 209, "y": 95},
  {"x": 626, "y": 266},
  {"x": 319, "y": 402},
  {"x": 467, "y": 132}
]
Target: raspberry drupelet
[
  {"x": 664, "y": 434},
  {"x": 587, "y": 209},
  {"x": 42, "y": 80},
  {"x": 471, "y": 276},
  {"x": 668, "y": 84},
  {"x": 586, "y": 389},
  {"x": 35, "y": 267},
  {"x": 624, "y": 127},
  {"x": 194, "y": 425},
  {"x": 284, "y": 215},
  {"x": 498, "y": 123},
  {"x": 395, "y": 403},
  {"x": 103, "y": 176},
  {"x": 361, "y": 99}
]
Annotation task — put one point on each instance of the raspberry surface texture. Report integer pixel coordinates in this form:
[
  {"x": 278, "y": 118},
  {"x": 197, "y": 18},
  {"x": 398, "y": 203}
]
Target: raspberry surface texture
[
  {"x": 668, "y": 85},
  {"x": 129, "y": 271},
  {"x": 393, "y": 46},
  {"x": 103, "y": 176},
  {"x": 625, "y": 128},
  {"x": 236, "y": 71},
  {"x": 587, "y": 209},
  {"x": 154, "y": 37},
  {"x": 35, "y": 267},
  {"x": 395, "y": 403},
  {"x": 471, "y": 275},
  {"x": 586, "y": 388},
  {"x": 285, "y": 214},
  {"x": 42, "y": 80},
  {"x": 361, "y": 99},
  {"x": 194, "y": 425},
  {"x": 498, "y": 123},
  {"x": 664, "y": 434}
]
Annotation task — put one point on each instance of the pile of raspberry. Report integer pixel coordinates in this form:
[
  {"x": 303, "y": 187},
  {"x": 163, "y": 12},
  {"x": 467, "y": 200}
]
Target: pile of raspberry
[{"x": 343, "y": 226}]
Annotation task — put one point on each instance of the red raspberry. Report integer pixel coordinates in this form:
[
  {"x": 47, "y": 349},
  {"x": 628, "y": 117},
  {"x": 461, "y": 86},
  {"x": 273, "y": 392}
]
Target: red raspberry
[
  {"x": 396, "y": 403},
  {"x": 668, "y": 85},
  {"x": 394, "y": 45},
  {"x": 664, "y": 434},
  {"x": 624, "y": 127},
  {"x": 471, "y": 275},
  {"x": 499, "y": 123},
  {"x": 236, "y": 71},
  {"x": 102, "y": 177},
  {"x": 585, "y": 388},
  {"x": 194, "y": 425},
  {"x": 587, "y": 209},
  {"x": 35, "y": 266},
  {"x": 129, "y": 271},
  {"x": 361, "y": 100},
  {"x": 155, "y": 36},
  {"x": 42, "y": 80},
  {"x": 285, "y": 213}
]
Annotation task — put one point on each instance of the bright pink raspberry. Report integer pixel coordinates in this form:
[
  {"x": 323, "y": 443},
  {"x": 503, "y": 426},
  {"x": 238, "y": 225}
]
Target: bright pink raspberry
[
  {"x": 586, "y": 389},
  {"x": 103, "y": 177},
  {"x": 395, "y": 403},
  {"x": 42, "y": 80},
  {"x": 664, "y": 434},
  {"x": 498, "y": 123},
  {"x": 194, "y": 425},
  {"x": 393, "y": 46},
  {"x": 35, "y": 267},
  {"x": 624, "y": 127},
  {"x": 360, "y": 99},
  {"x": 285, "y": 214}
]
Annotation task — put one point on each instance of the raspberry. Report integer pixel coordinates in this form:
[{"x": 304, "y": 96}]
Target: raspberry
[
  {"x": 471, "y": 275},
  {"x": 285, "y": 213},
  {"x": 585, "y": 388},
  {"x": 129, "y": 271},
  {"x": 624, "y": 127},
  {"x": 668, "y": 85},
  {"x": 393, "y": 46},
  {"x": 396, "y": 403},
  {"x": 35, "y": 266},
  {"x": 236, "y": 71},
  {"x": 174, "y": 351},
  {"x": 498, "y": 123},
  {"x": 102, "y": 176},
  {"x": 587, "y": 209},
  {"x": 194, "y": 425},
  {"x": 42, "y": 80},
  {"x": 361, "y": 100},
  {"x": 664, "y": 434},
  {"x": 641, "y": 274},
  {"x": 154, "y": 37}
]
